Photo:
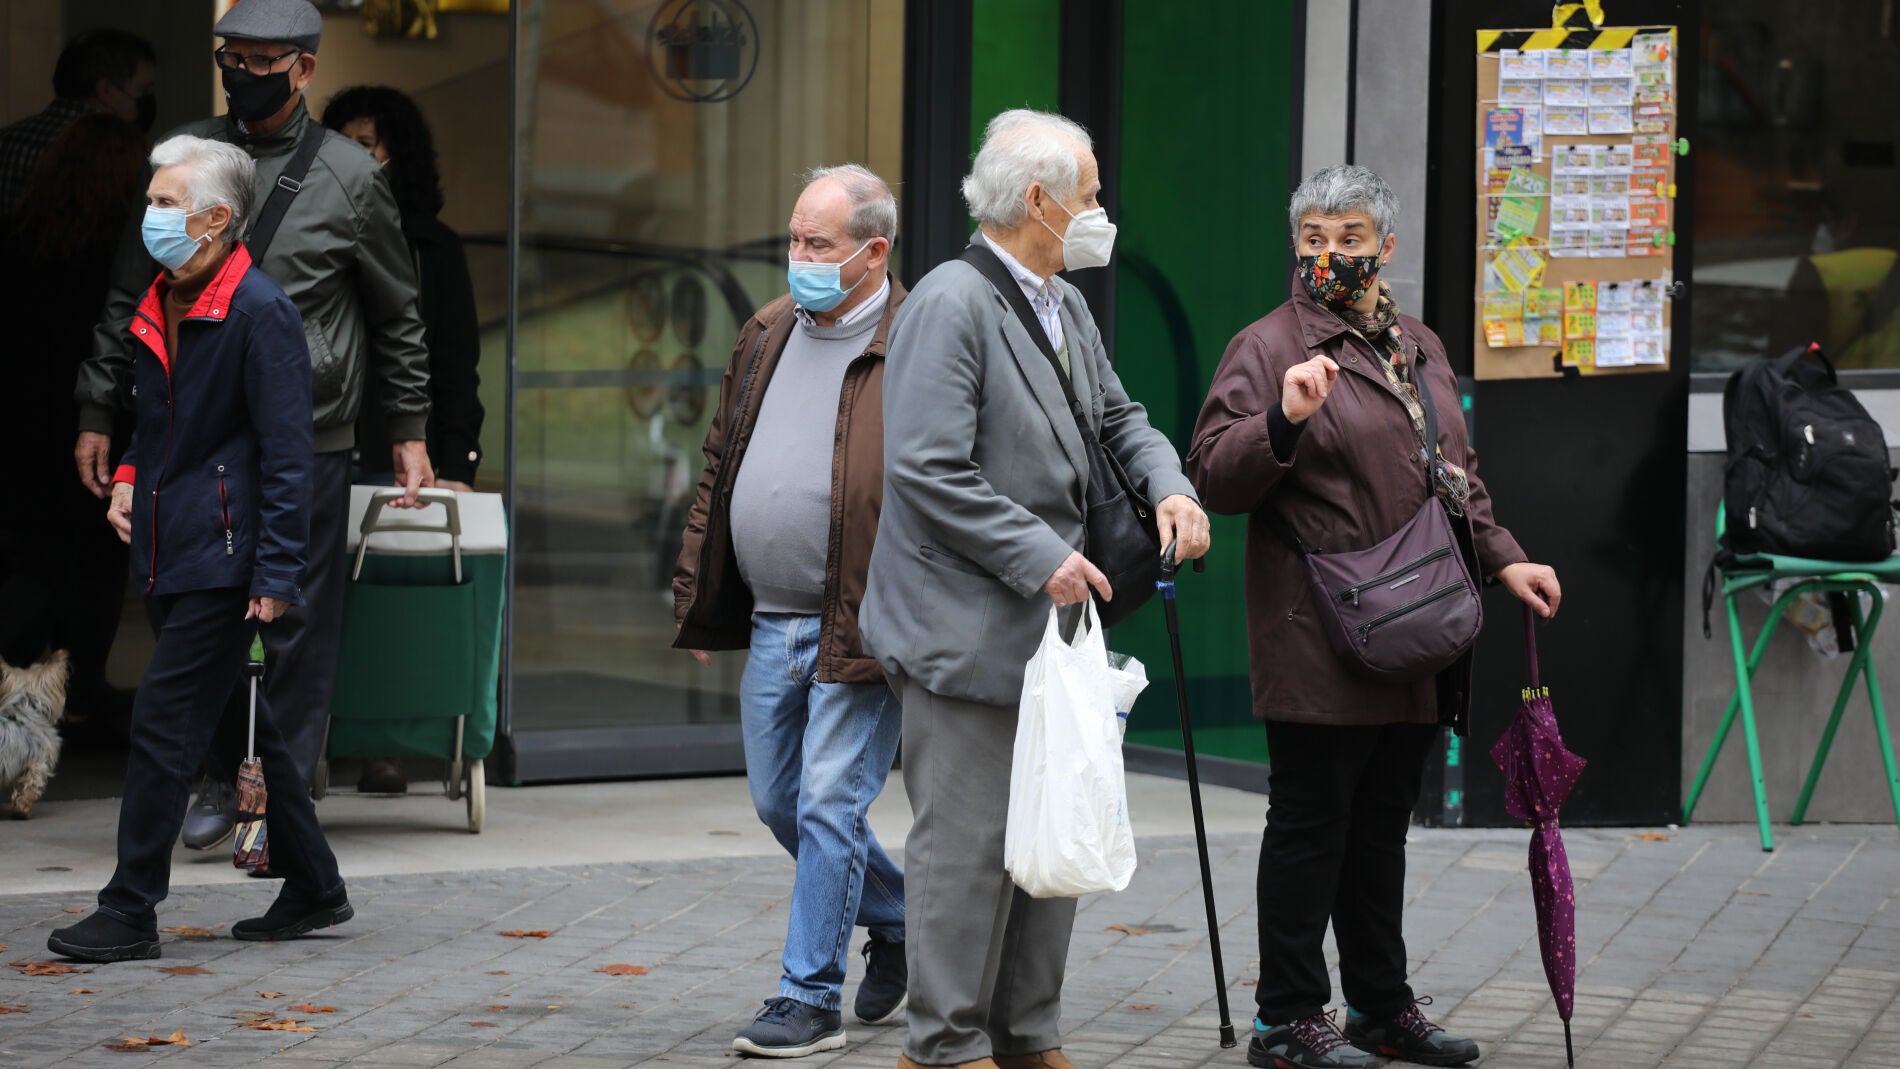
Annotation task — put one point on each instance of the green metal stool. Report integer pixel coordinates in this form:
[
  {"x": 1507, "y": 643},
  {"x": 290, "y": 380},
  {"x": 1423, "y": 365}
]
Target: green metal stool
[{"x": 1813, "y": 577}]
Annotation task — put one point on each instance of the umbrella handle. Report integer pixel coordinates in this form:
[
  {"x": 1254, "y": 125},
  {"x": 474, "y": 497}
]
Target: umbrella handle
[{"x": 1530, "y": 644}]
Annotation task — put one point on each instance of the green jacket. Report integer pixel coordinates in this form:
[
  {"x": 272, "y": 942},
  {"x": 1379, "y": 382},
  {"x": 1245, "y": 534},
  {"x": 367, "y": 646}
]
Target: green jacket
[{"x": 340, "y": 256}]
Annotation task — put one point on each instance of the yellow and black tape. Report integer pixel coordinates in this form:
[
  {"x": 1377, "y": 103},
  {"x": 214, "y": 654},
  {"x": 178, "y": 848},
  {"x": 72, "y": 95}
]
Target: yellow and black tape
[{"x": 1539, "y": 40}]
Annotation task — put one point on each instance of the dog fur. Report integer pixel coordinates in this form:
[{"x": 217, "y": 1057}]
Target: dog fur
[{"x": 32, "y": 699}]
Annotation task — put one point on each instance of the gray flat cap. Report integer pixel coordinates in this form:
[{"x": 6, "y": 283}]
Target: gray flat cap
[{"x": 291, "y": 21}]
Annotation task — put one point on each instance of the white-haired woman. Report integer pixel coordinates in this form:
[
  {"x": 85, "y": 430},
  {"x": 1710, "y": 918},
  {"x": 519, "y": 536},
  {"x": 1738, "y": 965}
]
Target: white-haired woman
[
  {"x": 980, "y": 533},
  {"x": 1317, "y": 416},
  {"x": 214, "y": 497}
]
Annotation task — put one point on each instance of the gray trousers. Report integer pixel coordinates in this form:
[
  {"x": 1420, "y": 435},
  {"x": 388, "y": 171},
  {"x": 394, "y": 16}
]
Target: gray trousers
[{"x": 986, "y": 960}]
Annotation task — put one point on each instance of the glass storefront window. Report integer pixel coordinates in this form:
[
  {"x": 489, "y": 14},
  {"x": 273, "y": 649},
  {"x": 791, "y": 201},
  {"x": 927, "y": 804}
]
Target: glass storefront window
[
  {"x": 662, "y": 143},
  {"x": 1797, "y": 225}
]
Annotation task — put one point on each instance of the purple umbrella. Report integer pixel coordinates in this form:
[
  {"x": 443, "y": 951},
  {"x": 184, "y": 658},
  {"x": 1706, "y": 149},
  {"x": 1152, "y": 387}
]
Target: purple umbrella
[{"x": 1538, "y": 775}]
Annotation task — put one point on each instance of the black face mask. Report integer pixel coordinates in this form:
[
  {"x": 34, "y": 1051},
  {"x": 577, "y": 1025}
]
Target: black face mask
[
  {"x": 253, "y": 97},
  {"x": 147, "y": 112}
]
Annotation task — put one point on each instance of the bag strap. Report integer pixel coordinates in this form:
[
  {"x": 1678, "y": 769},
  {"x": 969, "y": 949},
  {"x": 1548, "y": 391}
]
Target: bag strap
[
  {"x": 990, "y": 266},
  {"x": 1292, "y": 538},
  {"x": 289, "y": 184}
]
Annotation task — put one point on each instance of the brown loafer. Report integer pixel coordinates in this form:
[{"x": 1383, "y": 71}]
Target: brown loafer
[
  {"x": 904, "y": 1062},
  {"x": 1048, "y": 1059}
]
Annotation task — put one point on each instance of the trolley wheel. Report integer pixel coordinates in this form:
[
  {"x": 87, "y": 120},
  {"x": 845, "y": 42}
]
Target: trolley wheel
[
  {"x": 320, "y": 780},
  {"x": 477, "y": 792}
]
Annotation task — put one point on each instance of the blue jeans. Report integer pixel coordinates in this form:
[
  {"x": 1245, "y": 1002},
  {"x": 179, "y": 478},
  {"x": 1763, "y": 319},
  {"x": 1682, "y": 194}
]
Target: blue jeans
[{"x": 816, "y": 755}]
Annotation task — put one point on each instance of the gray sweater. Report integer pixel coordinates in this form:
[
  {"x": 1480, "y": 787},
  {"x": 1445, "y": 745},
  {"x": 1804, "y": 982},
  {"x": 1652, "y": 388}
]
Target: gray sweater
[{"x": 781, "y": 500}]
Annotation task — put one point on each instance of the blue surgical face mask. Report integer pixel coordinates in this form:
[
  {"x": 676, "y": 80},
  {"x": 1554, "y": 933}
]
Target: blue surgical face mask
[
  {"x": 815, "y": 286},
  {"x": 166, "y": 238}
]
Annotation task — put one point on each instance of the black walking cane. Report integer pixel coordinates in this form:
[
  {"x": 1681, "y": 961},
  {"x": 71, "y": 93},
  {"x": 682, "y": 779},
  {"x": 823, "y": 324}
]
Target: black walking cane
[{"x": 1166, "y": 586}]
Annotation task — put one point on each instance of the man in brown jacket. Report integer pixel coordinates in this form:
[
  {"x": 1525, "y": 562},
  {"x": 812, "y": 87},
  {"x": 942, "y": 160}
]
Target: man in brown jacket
[{"x": 776, "y": 549}]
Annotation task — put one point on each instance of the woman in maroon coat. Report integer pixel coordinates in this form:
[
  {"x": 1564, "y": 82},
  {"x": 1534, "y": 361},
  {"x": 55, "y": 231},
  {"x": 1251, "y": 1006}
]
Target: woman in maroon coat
[{"x": 1314, "y": 414}]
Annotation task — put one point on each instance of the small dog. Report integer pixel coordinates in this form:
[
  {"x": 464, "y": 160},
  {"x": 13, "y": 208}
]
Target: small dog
[{"x": 32, "y": 699}]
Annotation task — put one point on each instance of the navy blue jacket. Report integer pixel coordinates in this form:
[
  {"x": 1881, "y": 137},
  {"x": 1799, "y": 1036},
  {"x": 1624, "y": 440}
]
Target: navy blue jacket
[{"x": 222, "y": 450}]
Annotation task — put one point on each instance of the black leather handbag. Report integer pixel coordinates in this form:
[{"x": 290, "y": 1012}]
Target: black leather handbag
[{"x": 1118, "y": 527}]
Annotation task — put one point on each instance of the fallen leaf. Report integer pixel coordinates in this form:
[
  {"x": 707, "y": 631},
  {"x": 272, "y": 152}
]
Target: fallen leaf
[
  {"x": 186, "y": 970},
  {"x": 1140, "y": 1006},
  {"x": 77, "y": 909},
  {"x": 14, "y": 1007},
  {"x": 498, "y": 972},
  {"x": 46, "y": 968},
  {"x": 127, "y": 1048},
  {"x": 1653, "y": 836},
  {"x": 518, "y": 933},
  {"x": 1256, "y": 983},
  {"x": 1128, "y": 929},
  {"x": 482, "y": 1024},
  {"x": 270, "y": 994},
  {"x": 83, "y": 991},
  {"x": 623, "y": 970},
  {"x": 176, "y": 1039},
  {"x": 188, "y": 932},
  {"x": 496, "y": 1009},
  {"x": 626, "y": 1006},
  {"x": 305, "y": 1007},
  {"x": 278, "y": 1024}
]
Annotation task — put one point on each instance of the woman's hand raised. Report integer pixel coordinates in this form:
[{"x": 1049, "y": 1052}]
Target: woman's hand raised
[{"x": 1306, "y": 388}]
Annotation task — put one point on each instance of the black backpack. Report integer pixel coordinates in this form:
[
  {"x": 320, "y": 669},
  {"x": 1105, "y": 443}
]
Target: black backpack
[{"x": 1808, "y": 472}]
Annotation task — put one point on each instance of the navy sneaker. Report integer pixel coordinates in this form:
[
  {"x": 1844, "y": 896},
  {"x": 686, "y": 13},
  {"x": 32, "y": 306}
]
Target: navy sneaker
[
  {"x": 788, "y": 1028},
  {"x": 291, "y": 916},
  {"x": 883, "y": 992},
  {"x": 104, "y": 938},
  {"x": 1410, "y": 1037},
  {"x": 1309, "y": 1043}
]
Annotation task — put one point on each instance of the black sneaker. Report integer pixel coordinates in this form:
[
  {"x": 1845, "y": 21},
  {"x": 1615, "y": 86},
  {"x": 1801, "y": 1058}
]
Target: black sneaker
[
  {"x": 293, "y": 915},
  {"x": 104, "y": 938},
  {"x": 882, "y": 994},
  {"x": 1308, "y": 1043},
  {"x": 212, "y": 816},
  {"x": 788, "y": 1028},
  {"x": 1410, "y": 1037}
]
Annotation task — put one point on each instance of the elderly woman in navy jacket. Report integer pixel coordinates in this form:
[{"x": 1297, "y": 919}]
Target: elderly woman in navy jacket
[{"x": 214, "y": 497}]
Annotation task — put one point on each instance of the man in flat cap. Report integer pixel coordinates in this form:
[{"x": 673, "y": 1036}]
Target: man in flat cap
[{"x": 327, "y": 231}]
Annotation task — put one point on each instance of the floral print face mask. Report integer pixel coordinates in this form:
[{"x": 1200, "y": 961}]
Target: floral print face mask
[{"x": 1336, "y": 280}]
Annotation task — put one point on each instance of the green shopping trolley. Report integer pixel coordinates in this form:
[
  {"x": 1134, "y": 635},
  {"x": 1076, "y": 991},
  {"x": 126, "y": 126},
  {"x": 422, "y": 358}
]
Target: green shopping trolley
[{"x": 421, "y": 649}]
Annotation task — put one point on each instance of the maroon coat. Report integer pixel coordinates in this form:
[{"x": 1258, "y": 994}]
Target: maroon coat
[{"x": 1353, "y": 480}]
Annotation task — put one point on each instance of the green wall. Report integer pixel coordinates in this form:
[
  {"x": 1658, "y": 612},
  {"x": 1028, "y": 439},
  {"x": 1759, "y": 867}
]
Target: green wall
[
  {"x": 1014, "y": 58},
  {"x": 1204, "y": 161},
  {"x": 1205, "y": 141}
]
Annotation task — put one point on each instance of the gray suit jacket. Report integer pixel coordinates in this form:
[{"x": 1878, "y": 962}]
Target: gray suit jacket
[{"x": 984, "y": 476}]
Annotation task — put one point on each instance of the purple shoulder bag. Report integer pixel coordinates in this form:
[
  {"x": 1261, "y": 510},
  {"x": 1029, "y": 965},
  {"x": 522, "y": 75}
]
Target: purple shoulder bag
[{"x": 1403, "y": 609}]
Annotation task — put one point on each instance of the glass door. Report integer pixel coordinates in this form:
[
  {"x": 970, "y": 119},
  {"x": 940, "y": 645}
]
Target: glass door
[{"x": 660, "y": 144}]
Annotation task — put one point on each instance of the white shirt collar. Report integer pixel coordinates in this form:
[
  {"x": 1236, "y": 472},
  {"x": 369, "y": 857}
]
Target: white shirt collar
[
  {"x": 874, "y": 305},
  {"x": 1034, "y": 285}
]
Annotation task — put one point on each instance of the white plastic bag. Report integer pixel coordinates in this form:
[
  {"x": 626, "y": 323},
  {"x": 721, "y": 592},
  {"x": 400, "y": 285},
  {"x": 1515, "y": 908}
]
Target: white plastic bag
[{"x": 1068, "y": 831}]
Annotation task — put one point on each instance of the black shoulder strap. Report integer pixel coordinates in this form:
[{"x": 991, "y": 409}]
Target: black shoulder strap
[
  {"x": 289, "y": 184},
  {"x": 985, "y": 260}
]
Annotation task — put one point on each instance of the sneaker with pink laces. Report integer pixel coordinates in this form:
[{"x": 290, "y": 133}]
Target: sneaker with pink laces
[{"x": 1309, "y": 1043}]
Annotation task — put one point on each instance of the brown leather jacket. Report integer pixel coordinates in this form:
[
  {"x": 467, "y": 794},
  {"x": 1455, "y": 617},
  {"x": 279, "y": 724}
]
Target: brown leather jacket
[
  {"x": 710, "y": 601},
  {"x": 1352, "y": 479}
]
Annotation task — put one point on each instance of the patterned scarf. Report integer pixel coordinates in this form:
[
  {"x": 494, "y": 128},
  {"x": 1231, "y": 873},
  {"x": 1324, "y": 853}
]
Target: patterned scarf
[{"x": 1380, "y": 328}]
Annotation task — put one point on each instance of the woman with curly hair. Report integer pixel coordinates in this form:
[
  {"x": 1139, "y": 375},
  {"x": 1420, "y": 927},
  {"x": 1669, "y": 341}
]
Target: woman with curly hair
[{"x": 390, "y": 125}]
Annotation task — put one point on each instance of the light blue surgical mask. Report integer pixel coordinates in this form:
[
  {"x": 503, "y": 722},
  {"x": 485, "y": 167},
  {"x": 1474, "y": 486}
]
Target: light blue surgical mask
[
  {"x": 166, "y": 238},
  {"x": 815, "y": 285}
]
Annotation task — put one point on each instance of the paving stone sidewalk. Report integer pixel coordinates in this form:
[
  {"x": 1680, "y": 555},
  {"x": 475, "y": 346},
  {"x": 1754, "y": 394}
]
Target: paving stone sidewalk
[{"x": 1698, "y": 951}]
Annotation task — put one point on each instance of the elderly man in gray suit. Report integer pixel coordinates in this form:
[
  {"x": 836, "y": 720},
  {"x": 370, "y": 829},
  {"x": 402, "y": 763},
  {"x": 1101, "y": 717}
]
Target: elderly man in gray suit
[{"x": 985, "y": 476}]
